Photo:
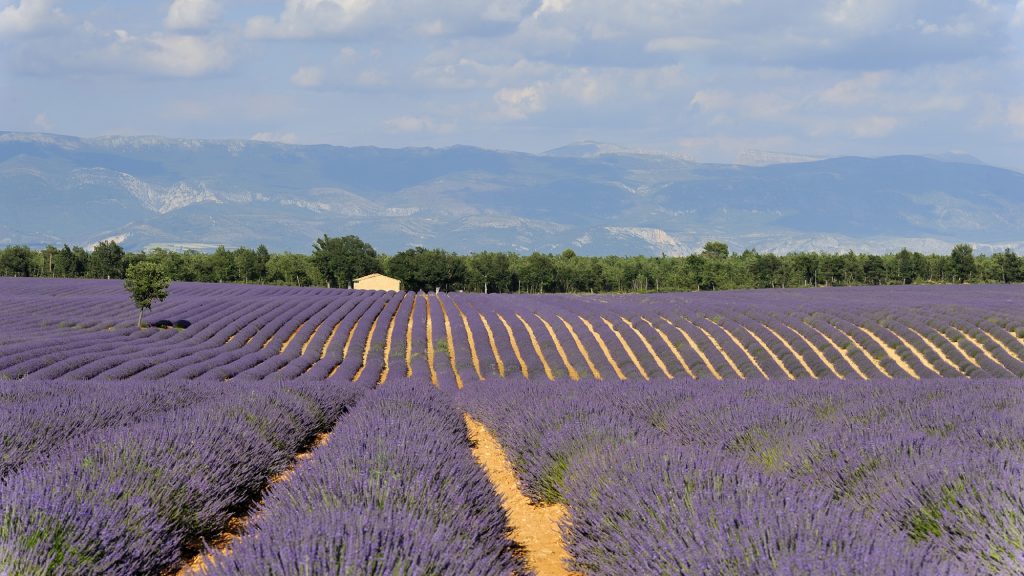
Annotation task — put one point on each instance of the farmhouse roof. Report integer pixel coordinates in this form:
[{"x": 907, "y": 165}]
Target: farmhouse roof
[{"x": 374, "y": 275}]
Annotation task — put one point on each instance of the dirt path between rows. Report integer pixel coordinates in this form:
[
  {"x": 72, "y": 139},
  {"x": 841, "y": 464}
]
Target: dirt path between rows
[
  {"x": 770, "y": 352},
  {"x": 238, "y": 525},
  {"x": 534, "y": 527},
  {"x": 494, "y": 345},
  {"x": 671, "y": 348},
  {"x": 842, "y": 352},
  {"x": 721, "y": 349},
  {"x": 472, "y": 341},
  {"x": 625, "y": 346},
  {"x": 558, "y": 348},
  {"x": 451, "y": 343},
  {"x": 536, "y": 348},
  {"x": 799, "y": 357},
  {"x": 515, "y": 347},
  {"x": 581, "y": 348},
  {"x": 942, "y": 354},
  {"x": 693, "y": 346},
  {"x": 890, "y": 353},
  {"x": 650, "y": 349},
  {"x": 604, "y": 348}
]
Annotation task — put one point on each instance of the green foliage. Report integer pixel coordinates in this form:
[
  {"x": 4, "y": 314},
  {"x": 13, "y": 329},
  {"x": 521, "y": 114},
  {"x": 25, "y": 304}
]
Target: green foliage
[
  {"x": 342, "y": 260},
  {"x": 145, "y": 282}
]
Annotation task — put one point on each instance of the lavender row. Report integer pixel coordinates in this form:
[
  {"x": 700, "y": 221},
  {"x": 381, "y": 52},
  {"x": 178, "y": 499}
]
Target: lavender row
[
  {"x": 395, "y": 491},
  {"x": 810, "y": 477},
  {"x": 133, "y": 499}
]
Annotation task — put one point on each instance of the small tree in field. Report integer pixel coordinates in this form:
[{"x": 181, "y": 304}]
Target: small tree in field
[{"x": 145, "y": 281}]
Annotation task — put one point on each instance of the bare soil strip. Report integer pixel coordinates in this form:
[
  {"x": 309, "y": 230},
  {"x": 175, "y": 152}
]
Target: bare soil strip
[
  {"x": 938, "y": 351},
  {"x": 722, "y": 351},
  {"x": 515, "y": 347},
  {"x": 864, "y": 351},
  {"x": 696, "y": 348},
  {"x": 792, "y": 351},
  {"x": 494, "y": 345},
  {"x": 284, "y": 345},
  {"x": 536, "y": 348},
  {"x": 386, "y": 368},
  {"x": 960, "y": 348},
  {"x": 558, "y": 347},
  {"x": 582, "y": 349},
  {"x": 408, "y": 337},
  {"x": 770, "y": 352},
  {"x": 841, "y": 351},
  {"x": 625, "y": 346},
  {"x": 1005, "y": 348},
  {"x": 472, "y": 341},
  {"x": 917, "y": 353},
  {"x": 984, "y": 351},
  {"x": 604, "y": 348},
  {"x": 534, "y": 527},
  {"x": 430, "y": 340},
  {"x": 348, "y": 339},
  {"x": 810, "y": 345},
  {"x": 305, "y": 344},
  {"x": 330, "y": 337},
  {"x": 891, "y": 353},
  {"x": 451, "y": 343},
  {"x": 238, "y": 525},
  {"x": 650, "y": 349},
  {"x": 673, "y": 349},
  {"x": 366, "y": 348}
]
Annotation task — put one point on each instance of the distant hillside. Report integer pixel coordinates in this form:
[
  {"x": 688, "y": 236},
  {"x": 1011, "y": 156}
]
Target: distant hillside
[{"x": 594, "y": 198}]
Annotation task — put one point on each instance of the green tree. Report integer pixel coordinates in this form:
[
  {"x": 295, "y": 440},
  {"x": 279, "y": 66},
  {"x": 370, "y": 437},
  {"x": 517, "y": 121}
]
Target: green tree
[
  {"x": 16, "y": 261},
  {"x": 490, "y": 271},
  {"x": 341, "y": 260},
  {"x": 715, "y": 250},
  {"x": 107, "y": 260},
  {"x": 146, "y": 281},
  {"x": 961, "y": 262}
]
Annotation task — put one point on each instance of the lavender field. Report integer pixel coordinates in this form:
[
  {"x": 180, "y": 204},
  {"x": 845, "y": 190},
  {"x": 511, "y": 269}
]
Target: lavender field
[{"x": 875, "y": 430}]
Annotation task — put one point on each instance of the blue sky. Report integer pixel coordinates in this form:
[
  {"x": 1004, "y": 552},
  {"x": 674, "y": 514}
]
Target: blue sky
[{"x": 701, "y": 78}]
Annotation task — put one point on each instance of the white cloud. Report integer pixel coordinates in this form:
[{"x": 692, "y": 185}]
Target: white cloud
[
  {"x": 167, "y": 54},
  {"x": 519, "y": 103},
  {"x": 308, "y": 76},
  {"x": 552, "y": 6},
  {"x": 1018, "y": 14},
  {"x": 42, "y": 122},
  {"x": 308, "y": 18},
  {"x": 875, "y": 126},
  {"x": 30, "y": 16},
  {"x": 282, "y": 137},
  {"x": 192, "y": 14},
  {"x": 409, "y": 124},
  {"x": 855, "y": 91},
  {"x": 681, "y": 44},
  {"x": 1015, "y": 116}
]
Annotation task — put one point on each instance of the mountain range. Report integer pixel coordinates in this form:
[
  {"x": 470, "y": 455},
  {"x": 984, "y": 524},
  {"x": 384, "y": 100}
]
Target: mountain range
[{"x": 595, "y": 198}]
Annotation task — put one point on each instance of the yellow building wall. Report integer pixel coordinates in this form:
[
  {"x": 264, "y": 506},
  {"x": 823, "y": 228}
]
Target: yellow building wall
[{"x": 378, "y": 283}]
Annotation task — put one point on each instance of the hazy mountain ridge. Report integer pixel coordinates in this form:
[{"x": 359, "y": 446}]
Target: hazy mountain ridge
[{"x": 592, "y": 197}]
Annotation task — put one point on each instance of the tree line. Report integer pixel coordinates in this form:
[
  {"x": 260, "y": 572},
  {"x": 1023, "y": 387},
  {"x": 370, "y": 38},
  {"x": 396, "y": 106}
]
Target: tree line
[{"x": 337, "y": 261}]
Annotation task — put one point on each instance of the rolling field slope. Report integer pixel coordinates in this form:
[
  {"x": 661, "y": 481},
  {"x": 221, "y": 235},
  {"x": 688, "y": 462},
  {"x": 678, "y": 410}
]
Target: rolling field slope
[
  {"x": 83, "y": 330},
  {"x": 298, "y": 431}
]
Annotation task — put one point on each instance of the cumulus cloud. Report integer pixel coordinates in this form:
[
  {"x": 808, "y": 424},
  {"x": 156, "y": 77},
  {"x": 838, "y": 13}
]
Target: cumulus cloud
[
  {"x": 307, "y": 18},
  {"x": 411, "y": 124},
  {"x": 1015, "y": 116},
  {"x": 308, "y": 76},
  {"x": 167, "y": 54},
  {"x": 42, "y": 122},
  {"x": 519, "y": 103},
  {"x": 394, "y": 19},
  {"x": 192, "y": 14},
  {"x": 29, "y": 16}
]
